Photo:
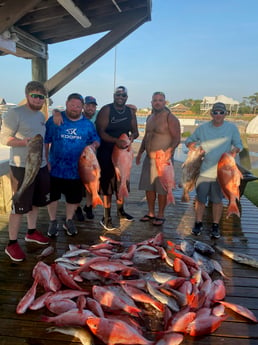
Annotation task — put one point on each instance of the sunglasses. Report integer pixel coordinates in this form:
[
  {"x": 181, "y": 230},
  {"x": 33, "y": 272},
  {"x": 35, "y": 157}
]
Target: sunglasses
[
  {"x": 218, "y": 112},
  {"x": 36, "y": 95},
  {"x": 121, "y": 95}
]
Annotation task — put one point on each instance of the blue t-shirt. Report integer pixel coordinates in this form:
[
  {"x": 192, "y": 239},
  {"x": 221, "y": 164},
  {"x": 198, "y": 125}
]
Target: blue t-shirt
[{"x": 67, "y": 143}]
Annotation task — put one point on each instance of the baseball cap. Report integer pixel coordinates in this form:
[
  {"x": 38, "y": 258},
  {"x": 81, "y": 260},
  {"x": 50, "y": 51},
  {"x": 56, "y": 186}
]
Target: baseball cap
[
  {"x": 219, "y": 106},
  {"x": 90, "y": 99},
  {"x": 121, "y": 89}
]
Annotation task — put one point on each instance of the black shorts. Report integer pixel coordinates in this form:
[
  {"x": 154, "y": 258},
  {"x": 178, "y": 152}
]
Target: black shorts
[
  {"x": 71, "y": 189},
  {"x": 37, "y": 194}
]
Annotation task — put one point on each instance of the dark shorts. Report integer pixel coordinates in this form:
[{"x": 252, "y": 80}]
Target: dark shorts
[
  {"x": 37, "y": 194},
  {"x": 71, "y": 189},
  {"x": 208, "y": 189}
]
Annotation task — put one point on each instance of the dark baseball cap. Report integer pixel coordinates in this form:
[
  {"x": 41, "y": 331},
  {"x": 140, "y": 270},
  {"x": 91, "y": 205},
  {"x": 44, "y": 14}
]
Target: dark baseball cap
[
  {"x": 219, "y": 106},
  {"x": 75, "y": 96},
  {"x": 90, "y": 99}
]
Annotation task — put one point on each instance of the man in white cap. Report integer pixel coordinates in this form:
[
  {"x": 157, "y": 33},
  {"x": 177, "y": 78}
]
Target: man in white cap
[
  {"x": 113, "y": 120},
  {"x": 216, "y": 137}
]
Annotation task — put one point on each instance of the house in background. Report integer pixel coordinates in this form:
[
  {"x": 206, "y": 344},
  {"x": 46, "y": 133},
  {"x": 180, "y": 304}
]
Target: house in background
[
  {"x": 207, "y": 103},
  {"x": 4, "y": 106}
]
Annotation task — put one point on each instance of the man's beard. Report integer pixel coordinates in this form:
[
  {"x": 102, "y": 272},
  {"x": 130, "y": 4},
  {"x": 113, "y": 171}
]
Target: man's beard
[
  {"x": 34, "y": 107},
  {"x": 72, "y": 115}
]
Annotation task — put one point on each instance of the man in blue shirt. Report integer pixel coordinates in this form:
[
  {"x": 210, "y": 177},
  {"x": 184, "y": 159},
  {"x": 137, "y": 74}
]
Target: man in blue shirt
[
  {"x": 65, "y": 144},
  {"x": 215, "y": 137}
]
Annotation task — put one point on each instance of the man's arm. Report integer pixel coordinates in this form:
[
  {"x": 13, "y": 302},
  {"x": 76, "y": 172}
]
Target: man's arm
[
  {"x": 135, "y": 131},
  {"x": 175, "y": 130},
  {"x": 57, "y": 117}
]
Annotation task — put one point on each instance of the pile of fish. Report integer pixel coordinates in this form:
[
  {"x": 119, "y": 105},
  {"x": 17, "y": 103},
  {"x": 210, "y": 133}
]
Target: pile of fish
[{"x": 111, "y": 292}]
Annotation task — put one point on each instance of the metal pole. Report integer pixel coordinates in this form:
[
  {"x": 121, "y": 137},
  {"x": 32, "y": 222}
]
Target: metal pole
[{"x": 115, "y": 70}]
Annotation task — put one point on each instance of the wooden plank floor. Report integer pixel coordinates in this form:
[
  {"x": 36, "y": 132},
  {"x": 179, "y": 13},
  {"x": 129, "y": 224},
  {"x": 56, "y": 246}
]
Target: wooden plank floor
[{"x": 242, "y": 285}]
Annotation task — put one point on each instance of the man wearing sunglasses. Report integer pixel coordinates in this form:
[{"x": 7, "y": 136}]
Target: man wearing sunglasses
[
  {"x": 113, "y": 120},
  {"x": 215, "y": 137},
  {"x": 19, "y": 126}
]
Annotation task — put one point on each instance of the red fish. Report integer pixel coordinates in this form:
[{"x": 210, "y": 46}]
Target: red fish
[
  {"x": 122, "y": 160},
  {"x": 140, "y": 296},
  {"x": 113, "y": 332},
  {"x": 204, "y": 325},
  {"x": 243, "y": 311},
  {"x": 110, "y": 300},
  {"x": 65, "y": 278},
  {"x": 89, "y": 171},
  {"x": 166, "y": 173},
  {"x": 191, "y": 171},
  {"x": 27, "y": 299},
  {"x": 70, "y": 318},
  {"x": 229, "y": 177}
]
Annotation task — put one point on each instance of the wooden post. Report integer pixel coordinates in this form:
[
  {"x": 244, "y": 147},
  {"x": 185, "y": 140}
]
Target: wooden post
[{"x": 39, "y": 69}]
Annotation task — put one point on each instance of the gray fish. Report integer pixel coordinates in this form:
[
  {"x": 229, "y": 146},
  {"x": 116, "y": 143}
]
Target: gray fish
[
  {"x": 32, "y": 166},
  {"x": 203, "y": 248},
  {"x": 169, "y": 301},
  {"x": 191, "y": 171},
  {"x": 187, "y": 247},
  {"x": 78, "y": 332},
  {"x": 204, "y": 262},
  {"x": 238, "y": 257}
]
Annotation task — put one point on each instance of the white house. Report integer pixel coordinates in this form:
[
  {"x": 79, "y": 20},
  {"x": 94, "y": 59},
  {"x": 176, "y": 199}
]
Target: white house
[{"x": 208, "y": 101}]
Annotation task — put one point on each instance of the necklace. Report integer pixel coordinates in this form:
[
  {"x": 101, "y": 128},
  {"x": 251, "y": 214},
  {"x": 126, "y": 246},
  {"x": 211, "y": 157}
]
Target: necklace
[{"x": 120, "y": 112}]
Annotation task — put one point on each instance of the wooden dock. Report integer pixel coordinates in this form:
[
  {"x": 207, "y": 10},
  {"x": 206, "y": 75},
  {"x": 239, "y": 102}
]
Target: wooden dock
[{"x": 239, "y": 236}]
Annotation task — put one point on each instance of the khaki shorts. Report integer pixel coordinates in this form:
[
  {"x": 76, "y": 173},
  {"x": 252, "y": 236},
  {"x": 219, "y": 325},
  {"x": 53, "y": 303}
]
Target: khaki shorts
[{"x": 149, "y": 180}]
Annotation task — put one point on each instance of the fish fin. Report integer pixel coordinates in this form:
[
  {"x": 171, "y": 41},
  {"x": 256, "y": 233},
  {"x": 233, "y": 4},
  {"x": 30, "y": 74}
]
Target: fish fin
[
  {"x": 123, "y": 192},
  {"x": 96, "y": 201},
  {"x": 233, "y": 209}
]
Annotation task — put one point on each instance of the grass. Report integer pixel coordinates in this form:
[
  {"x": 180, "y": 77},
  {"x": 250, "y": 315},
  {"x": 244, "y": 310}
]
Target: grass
[{"x": 251, "y": 189}]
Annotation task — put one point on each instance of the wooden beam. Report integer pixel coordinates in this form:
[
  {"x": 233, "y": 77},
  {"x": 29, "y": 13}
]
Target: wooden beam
[
  {"x": 30, "y": 45},
  {"x": 75, "y": 12},
  {"x": 93, "y": 53},
  {"x": 13, "y": 10}
]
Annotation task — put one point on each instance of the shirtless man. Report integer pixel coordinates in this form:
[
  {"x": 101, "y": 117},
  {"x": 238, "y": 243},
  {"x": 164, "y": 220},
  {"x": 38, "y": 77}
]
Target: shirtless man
[{"x": 162, "y": 133}]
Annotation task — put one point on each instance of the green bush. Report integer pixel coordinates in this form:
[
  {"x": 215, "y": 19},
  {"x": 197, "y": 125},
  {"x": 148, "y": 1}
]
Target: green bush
[{"x": 186, "y": 134}]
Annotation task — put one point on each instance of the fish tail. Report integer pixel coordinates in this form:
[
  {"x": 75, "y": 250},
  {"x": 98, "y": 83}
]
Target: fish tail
[
  {"x": 123, "y": 192},
  {"x": 96, "y": 201},
  {"x": 185, "y": 197},
  {"x": 233, "y": 209}
]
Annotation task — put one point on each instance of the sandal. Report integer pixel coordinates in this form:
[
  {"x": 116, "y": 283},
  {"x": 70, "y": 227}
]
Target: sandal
[
  {"x": 158, "y": 221},
  {"x": 146, "y": 218}
]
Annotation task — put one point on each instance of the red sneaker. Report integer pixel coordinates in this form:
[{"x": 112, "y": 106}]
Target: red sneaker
[
  {"x": 15, "y": 252},
  {"x": 36, "y": 237}
]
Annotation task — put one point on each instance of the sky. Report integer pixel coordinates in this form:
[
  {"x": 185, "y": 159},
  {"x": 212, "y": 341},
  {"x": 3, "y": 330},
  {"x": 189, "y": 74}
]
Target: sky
[{"x": 189, "y": 49}]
